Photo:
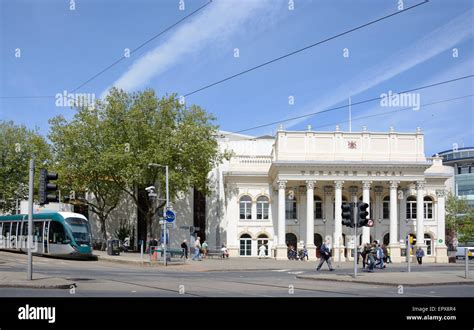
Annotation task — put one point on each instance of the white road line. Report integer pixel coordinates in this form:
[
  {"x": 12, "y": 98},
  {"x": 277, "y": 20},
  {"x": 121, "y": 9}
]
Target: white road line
[
  {"x": 296, "y": 273},
  {"x": 280, "y": 270}
]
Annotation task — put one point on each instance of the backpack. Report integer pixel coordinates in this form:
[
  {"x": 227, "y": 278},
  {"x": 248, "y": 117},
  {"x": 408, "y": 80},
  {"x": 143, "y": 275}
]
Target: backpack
[{"x": 380, "y": 254}]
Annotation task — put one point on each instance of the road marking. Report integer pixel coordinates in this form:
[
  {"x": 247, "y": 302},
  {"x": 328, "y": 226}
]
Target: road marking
[
  {"x": 296, "y": 273},
  {"x": 280, "y": 270}
]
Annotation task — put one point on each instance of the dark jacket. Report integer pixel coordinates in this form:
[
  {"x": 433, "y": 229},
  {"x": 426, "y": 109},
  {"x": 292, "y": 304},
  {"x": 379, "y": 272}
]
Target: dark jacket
[{"x": 325, "y": 252}]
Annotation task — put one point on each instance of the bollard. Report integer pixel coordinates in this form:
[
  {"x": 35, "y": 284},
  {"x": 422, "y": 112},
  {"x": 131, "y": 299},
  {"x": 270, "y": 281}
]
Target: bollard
[{"x": 141, "y": 251}]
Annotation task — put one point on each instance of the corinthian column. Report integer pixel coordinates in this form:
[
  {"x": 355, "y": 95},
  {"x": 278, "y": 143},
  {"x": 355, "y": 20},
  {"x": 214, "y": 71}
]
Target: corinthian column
[
  {"x": 281, "y": 247},
  {"x": 394, "y": 244},
  {"x": 310, "y": 219},
  {"x": 420, "y": 216}
]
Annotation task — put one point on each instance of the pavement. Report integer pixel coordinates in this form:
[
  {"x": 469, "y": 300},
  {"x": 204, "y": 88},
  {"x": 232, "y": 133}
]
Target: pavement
[{"x": 393, "y": 275}]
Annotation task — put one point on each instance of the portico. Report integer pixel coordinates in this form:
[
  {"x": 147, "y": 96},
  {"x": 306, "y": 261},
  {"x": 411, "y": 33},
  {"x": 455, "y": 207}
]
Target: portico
[{"x": 310, "y": 174}]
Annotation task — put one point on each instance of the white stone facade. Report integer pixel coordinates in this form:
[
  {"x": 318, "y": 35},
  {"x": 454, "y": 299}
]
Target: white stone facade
[{"x": 304, "y": 176}]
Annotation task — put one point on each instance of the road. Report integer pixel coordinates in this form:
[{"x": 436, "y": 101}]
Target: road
[{"x": 105, "y": 279}]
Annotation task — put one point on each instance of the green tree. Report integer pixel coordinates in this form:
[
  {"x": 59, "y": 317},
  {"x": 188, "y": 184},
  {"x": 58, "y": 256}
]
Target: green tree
[
  {"x": 144, "y": 129},
  {"x": 81, "y": 155},
  {"x": 17, "y": 146},
  {"x": 459, "y": 220}
]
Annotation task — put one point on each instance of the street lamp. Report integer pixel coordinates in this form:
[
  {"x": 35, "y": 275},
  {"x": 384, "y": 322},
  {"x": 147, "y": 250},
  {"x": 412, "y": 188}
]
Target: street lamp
[{"x": 167, "y": 207}]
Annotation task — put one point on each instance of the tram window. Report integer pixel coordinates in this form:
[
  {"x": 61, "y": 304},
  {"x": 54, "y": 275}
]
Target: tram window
[
  {"x": 38, "y": 231},
  {"x": 56, "y": 233},
  {"x": 13, "y": 229},
  {"x": 25, "y": 228},
  {"x": 6, "y": 229}
]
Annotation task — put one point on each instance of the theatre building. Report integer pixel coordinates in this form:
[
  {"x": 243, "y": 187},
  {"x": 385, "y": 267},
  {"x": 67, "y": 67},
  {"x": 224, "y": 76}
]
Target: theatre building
[{"x": 288, "y": 189}]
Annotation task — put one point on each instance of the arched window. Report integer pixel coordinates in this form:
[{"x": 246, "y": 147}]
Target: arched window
[
  {"x": 411, "y": 207},
  {"x": 318, "y": 207},
  {"x": 291, "y": 239},
  {"x": 262, "y": 239},
  {"x": 245, "y": 245},
  {"x": 428, "y": 207},
  {"x": 262, "y": 207},
  {"x": 245, "y": 207},
  {"x": 386, "y": 207},
  {"x": 428, "y": 242},
  {"x": 318, "y": 241},
  {"x": 290, "y": 208}
]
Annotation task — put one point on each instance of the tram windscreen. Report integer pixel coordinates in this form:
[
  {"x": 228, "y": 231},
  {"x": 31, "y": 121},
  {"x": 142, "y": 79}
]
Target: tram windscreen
[{"x": 80, "y": 230}]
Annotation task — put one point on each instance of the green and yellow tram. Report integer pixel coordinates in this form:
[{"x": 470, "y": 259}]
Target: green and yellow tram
[{"x": 58, "y": 234}]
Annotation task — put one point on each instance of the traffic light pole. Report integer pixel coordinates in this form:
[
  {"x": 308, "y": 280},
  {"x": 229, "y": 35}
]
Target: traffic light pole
[
  {"x": 29, "y": 275},
  {"x": 409, "y": 252},
  {"x": 356, "y": 255},
  {"x": 164, "y": 217}
]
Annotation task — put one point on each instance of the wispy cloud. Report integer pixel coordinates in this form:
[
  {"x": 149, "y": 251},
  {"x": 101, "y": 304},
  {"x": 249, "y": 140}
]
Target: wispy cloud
[
  {"x": 437, "y": 41},
  {"x": 220, "y": 20}
]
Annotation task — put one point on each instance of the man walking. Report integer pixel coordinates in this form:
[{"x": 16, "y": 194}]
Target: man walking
[
  {"x": 184, "y": 246},
  {"x": 197, "y": 249},
  {"x": 325, "y": 256},
  {"x": 419, "y": 255}
]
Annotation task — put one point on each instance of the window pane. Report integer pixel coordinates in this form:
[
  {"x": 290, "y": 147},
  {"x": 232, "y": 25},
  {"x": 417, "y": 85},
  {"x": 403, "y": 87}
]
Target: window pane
[{"x": 38, "y": 231}]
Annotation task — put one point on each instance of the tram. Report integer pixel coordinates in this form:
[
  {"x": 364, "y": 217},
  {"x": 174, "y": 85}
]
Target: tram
[{"x": 57, "y": 234}]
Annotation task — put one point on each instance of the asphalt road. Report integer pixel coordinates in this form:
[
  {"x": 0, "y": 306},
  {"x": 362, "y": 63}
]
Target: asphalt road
[{"x": 104, "y": 279}]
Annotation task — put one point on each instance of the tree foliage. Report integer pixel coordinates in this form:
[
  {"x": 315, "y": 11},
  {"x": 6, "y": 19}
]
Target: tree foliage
[
  {"x": 106, "y": 150},
  {"x": 459, "y": 220},
  {"x": 17, "y": 146}
]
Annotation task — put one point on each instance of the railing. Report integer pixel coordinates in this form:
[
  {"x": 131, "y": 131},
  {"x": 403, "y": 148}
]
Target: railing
[{"x": 251, "y": 160}]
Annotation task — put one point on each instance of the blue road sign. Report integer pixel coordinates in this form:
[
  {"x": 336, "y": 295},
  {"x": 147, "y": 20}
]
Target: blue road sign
[{"x": 170, "y": 216}]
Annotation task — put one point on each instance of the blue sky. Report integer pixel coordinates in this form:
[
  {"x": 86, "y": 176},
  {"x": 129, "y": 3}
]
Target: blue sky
[{"x": 61, "y": 48}]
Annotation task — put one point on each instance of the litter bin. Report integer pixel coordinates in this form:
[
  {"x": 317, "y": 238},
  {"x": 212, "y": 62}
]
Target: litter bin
[{"x": 113, "y": 247}]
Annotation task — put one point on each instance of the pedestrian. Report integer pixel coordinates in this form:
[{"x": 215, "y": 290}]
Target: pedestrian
[
  {"x": 371, "y": 256},
  {"x": 197, "y": 249},
  {"x": 325, "y": 256},
  {"x": 305, "y": 253},
  {"x": 389, "y": 253},
  {"x": 364, "y": 254},
  {"x": 205, "y": 249},
  {"x": 262, "y": 251},
  {"x": 385, "y": 252},
  {"x": 184, "y": 246},
  {"x": 419, "y": 255},
  {"x": 225, "y": 252},
  {"x": 379, "y": 256}
]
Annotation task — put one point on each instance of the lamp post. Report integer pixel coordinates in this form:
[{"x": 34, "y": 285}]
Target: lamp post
[{"x": 166, "y": 208}]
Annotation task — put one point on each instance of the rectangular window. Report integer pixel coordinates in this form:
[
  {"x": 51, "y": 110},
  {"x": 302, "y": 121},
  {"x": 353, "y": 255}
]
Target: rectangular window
[
  {"x": 318, "y": 210},
  {"x": 262, "y": 210},
  {"x": 290, "y": 210},
  {"x": 386, "y": 210},
  {"x": 428, "y": 214}
]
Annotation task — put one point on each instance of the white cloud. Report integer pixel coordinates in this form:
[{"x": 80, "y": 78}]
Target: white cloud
[
  {"x": 437, "y": 41},
  {"x": 218, "y": 21}
]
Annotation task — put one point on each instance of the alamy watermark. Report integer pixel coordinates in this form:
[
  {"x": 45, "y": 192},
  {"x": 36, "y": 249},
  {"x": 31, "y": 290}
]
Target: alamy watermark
[
  {"x": 20, "y": 242},
  {"x": 408, "y": 100},
  {"x": 66, "y": 99}
]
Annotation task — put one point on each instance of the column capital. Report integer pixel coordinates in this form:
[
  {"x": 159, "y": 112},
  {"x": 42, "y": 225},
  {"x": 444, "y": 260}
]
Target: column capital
[
  {"x": 282, "y": 184},
  {"x": 378, "y": 190},
  {"x": 310, "y": 184},
  {"x": 420, "y": 185},
  {"x": 394, "y": 184},
  {"x": 441, "y": 193},
  {"x": 366, "y": 184},
  {"x": 338, "y": 184},
  {"x": 328, "y": 190}
]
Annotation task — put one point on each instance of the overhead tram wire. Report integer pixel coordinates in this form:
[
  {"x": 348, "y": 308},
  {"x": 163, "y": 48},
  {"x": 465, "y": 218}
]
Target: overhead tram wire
[
  {"x": 304, "y": 48},
  {"x": 293, "y": 52},
  {"x": 352, "y": 104},
  {"x": 398, "y": 110},
  {"x": 142, "y": 45},
  {"x": 118, "y": 60}
]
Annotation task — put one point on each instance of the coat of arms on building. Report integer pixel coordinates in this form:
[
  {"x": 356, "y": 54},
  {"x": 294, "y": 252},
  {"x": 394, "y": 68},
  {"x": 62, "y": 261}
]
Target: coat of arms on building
[{"x": 352, "y": 144}]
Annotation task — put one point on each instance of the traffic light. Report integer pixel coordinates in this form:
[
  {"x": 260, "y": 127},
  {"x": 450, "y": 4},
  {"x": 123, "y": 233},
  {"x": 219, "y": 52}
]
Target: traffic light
[
  {"x": 363, "y": 215},
  {"x": 347, "y": 214},
  {"x": 47, "y": 191}
]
